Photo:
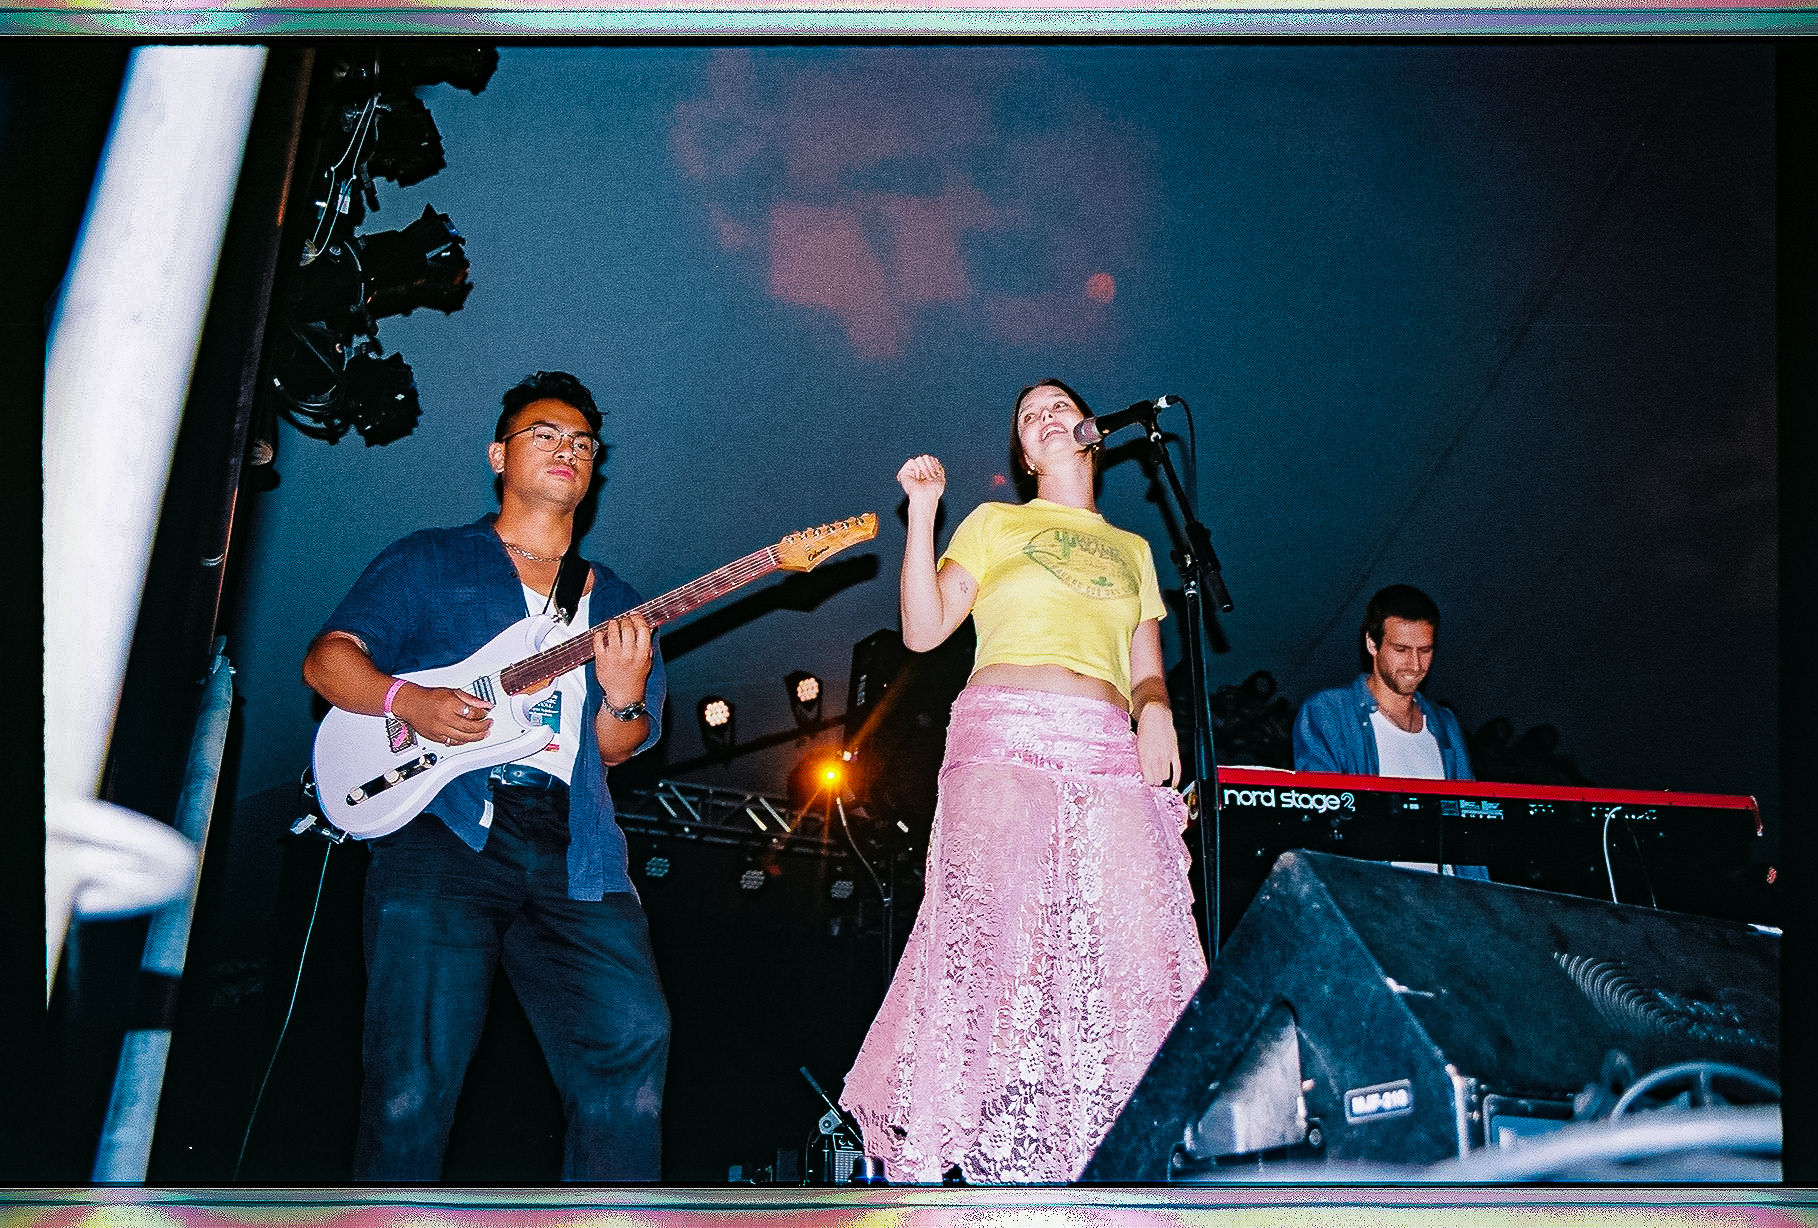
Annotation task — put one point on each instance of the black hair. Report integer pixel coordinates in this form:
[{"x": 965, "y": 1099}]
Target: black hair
[
  {"x": 1395, "y": 601},
  {"x": 547, "y": 386}
]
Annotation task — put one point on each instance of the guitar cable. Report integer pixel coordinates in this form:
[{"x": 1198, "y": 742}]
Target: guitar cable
[{"x": 328, "y": 847}]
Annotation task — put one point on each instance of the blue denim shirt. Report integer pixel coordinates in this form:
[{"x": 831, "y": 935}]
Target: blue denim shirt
[
  {"x": 435, "y": 598},
  {"x": 1333, "y": 733}
]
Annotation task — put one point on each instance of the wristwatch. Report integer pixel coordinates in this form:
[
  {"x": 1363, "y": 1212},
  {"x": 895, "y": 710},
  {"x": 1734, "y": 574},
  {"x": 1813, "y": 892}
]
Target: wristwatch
[{"x": 630, "y": 712}]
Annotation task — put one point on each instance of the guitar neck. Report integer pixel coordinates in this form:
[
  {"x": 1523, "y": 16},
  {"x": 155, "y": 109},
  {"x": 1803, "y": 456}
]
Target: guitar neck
[{"x": 565, "y": 656}]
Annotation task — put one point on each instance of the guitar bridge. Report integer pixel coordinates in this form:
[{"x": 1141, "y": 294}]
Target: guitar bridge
[{"x": 396, "y": 776}]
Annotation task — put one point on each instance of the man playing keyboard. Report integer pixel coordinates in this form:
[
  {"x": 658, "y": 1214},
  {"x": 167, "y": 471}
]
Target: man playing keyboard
[{"x": 1381, "y": 725}]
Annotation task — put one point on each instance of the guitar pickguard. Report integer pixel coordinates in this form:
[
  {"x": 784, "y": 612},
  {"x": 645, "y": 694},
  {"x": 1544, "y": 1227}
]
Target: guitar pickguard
[{"x": 399, "y": 735}]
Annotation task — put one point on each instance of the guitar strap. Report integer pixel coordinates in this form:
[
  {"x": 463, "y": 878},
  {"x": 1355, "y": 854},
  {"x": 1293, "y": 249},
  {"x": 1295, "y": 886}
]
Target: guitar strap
[{"x": 571, "y": 578}]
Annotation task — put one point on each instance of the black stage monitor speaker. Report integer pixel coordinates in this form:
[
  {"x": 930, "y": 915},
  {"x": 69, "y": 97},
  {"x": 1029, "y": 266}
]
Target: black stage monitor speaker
[
  {"x": 1365, "y": 1012},
  {"x": 876, "y": 661}
]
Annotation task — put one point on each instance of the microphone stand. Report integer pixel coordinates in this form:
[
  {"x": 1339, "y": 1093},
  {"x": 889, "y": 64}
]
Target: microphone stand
[{"x": 1199, "y": 571}]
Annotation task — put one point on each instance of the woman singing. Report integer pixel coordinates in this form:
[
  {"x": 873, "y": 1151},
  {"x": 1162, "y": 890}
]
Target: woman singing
[{"x": 1055, "y": 946}]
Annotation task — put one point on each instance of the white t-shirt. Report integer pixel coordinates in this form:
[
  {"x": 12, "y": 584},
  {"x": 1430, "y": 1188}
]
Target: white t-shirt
[
  {"x": 1400, "y": 753},
  {"x": 1415, "y": 755},
  {"x": 560, "y": 703}
]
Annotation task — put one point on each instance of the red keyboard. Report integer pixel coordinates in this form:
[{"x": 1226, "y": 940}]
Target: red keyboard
[{"x": 1689, "y": 852}]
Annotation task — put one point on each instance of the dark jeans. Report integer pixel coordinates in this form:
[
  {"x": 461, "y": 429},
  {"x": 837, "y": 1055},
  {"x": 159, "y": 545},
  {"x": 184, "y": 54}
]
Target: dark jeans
[{"x": 440, "y": 918}]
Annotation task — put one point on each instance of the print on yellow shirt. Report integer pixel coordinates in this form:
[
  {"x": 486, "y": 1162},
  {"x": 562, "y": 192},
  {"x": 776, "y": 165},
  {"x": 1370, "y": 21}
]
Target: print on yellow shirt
[{"x": 1085, "y": 564}]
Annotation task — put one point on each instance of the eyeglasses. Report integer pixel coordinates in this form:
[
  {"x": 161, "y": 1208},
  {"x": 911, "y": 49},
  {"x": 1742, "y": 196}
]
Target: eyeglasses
[{"x": 546, "y": 438}]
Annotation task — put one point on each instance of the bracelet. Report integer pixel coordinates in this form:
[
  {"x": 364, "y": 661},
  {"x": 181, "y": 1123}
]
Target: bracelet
[{"x": 397, "y": 684}]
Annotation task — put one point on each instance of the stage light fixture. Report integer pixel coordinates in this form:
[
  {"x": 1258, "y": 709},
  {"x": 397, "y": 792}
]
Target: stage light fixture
[
  {"x": 423, "y": 265},
  {"x": 751, "y": 879},
  {"x": 306, "y": 366},
  {"x": 331, "y": 291},
  {"x": 804, "y": 697},
  {"x": 842, "y": 888},
  {"x": 327, "y": 384},
  {"x": 715, "y": 716},
  {"x": 821, "y": 773},
  {"x": 380, "y": 396},
  {"x": 656, "y": 867},
  {"x": 466, "y": 66},
  {"x": 406, "y": 147}
]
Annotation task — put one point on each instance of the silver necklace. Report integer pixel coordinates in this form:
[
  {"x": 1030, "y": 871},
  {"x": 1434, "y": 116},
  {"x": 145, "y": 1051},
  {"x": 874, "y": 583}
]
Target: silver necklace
[{"x": 523, "y": 553}]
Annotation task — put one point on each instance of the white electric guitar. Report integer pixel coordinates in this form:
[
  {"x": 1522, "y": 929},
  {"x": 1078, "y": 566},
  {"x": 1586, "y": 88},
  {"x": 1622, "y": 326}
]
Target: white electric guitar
[{"x": 374, "y": 774}]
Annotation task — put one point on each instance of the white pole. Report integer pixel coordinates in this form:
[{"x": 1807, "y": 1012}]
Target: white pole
[{"x": 122, "y": 348}]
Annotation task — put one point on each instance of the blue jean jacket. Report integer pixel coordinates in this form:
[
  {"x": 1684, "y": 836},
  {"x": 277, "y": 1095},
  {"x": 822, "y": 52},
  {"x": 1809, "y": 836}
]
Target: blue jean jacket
[{"x": 1333, "y": 733}]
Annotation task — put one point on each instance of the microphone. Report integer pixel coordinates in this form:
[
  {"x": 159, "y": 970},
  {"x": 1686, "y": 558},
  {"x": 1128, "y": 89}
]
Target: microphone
[{"x": 1092, "y": 430}]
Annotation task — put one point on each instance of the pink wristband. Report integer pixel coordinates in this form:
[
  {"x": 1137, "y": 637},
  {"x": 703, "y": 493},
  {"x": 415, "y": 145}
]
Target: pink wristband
[{"x": 397, "y": 684}]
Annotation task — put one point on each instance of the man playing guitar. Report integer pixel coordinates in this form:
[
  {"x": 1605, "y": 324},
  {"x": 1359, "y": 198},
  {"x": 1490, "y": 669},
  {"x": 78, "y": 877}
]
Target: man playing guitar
[{"x": 521, "y": 865}]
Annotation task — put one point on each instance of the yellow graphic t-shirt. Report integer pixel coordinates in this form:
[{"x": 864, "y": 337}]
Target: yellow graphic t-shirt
[{"x": 1057, "y": 585}]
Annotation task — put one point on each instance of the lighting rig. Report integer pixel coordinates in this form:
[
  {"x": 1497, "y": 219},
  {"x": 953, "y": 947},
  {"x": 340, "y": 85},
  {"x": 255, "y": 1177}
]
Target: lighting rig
[{"x": 324, "y": 381}]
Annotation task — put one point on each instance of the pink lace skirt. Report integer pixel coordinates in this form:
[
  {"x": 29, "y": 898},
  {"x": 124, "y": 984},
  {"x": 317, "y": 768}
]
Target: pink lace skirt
[{"x": 1054, "y": 949}]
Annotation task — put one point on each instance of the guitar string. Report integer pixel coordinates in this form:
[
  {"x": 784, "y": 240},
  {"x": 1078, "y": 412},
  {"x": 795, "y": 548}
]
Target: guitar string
[
  {"x": 767, "y": 558},
  {"x": 578, "y": 650},
  {"x": 672, "y": 604},
  {"x": 555, "y": 661}
]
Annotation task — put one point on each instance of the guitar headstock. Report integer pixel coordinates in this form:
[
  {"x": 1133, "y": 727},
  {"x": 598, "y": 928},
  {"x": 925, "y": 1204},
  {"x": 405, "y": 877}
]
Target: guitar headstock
[{"x": 804, "y": 551}]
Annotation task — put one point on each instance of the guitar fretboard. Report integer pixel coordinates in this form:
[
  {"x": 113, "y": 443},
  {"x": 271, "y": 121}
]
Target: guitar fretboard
[{"x": 553, "y": 662}]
